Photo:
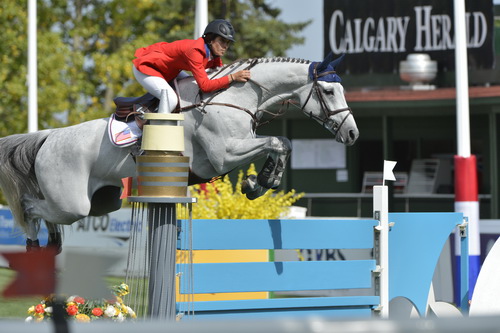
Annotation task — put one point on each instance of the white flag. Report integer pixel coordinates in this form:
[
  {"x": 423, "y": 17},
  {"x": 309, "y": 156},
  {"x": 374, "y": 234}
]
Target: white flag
[{"x": 388, "y": 174}]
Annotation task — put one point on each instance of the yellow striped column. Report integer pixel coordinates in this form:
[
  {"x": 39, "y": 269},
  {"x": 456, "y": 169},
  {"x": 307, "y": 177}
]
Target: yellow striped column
[
  {"x": 162, "y": 171},
  {"x": 162, "y": 175}
]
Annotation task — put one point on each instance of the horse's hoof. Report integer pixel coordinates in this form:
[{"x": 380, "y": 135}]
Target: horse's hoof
[
  {"x": 252, "y": 195},
  {"x": 32, "y": 245},
  {"x": 248, "y": 185},
  {"x": 270, "y": 175},
  {"x": 55, "y": 248},
  {"x": 257, "y": 193},
  {"x": 55, "y": 242},
  {"x": 251, "y": 188}
]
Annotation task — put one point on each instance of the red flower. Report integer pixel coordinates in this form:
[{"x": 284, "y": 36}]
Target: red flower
[
  {"x": 97, "y": 312},
  {"x": 79, "y": 300},
  {"x": 72, "y": 310},
  {"x": 39, "y": 308}
]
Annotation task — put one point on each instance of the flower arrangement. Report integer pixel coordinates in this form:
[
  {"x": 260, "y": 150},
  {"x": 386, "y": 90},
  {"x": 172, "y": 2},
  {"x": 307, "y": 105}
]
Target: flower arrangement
[
  {"x": 83, "y": 310},
  {"x": 222, "y": 200}
]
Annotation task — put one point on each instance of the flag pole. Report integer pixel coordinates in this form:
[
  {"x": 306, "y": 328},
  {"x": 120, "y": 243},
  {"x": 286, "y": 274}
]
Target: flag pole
[
  {"x": 201, "y": 18},
  {"x": 32, "y": 68}
]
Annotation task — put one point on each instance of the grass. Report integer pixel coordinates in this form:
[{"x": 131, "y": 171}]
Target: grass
[
  {"x": 13, "y": 307},
  {"x": 16, "y": 308}
]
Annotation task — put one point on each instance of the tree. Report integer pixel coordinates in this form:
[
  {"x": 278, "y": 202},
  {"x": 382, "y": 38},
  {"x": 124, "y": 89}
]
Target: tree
[{"x": 85, "y": 49}]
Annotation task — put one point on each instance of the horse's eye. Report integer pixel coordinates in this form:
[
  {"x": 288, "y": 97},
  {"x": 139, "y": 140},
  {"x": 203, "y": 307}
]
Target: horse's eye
[{"x": 329, "y": 92}]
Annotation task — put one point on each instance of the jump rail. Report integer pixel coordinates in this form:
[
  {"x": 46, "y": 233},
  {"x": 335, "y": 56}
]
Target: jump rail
[
  {"x": 415, "y": 243},
  {"x": 283, "y": 276}
]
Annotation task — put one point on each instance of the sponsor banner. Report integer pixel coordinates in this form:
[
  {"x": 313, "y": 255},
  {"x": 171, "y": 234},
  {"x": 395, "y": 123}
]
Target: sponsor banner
[
  {"x": 378, "y": 34},
  {"x": 11, "y": 234},
  {"x": 110, "y": 230}
]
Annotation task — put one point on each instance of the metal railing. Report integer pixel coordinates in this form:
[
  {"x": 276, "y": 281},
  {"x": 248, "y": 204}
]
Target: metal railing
[{"x": 358, "y": 197}]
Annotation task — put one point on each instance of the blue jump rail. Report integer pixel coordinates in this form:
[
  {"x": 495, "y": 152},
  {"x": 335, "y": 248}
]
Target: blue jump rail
[
  {"x": 407, "y": 251},
  {"x": 282, "y": 276}
]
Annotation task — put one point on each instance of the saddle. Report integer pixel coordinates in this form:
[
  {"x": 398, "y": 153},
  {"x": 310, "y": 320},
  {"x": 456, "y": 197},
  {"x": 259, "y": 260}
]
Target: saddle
[
  {"x": 126, "y": 123},
  {"x": 136, "y": 107}
]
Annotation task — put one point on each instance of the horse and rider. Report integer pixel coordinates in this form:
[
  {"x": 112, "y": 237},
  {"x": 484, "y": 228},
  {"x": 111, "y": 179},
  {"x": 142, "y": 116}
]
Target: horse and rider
[{"x": 62, "y": 175}]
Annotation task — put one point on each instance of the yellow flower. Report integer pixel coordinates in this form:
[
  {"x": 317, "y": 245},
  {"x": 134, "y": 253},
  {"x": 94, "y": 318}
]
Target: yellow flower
[
  {"x": 124, "y": 289},
  {"x": 131, "y": 312},
  {"x": 31, "y": 309},
  {"x": 82, "y": 318},
  {"x": 220, "y": 200}
]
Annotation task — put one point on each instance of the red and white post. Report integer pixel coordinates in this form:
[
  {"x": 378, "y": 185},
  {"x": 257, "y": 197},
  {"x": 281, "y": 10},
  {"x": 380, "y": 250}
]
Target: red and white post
[
  {"x": 466, "y": 202},
  {"x": 466, "y": 190}
]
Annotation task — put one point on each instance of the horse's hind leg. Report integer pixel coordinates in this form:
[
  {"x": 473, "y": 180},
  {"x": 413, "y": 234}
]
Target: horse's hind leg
[
  {"x": 59, "y": 210},
  {"x": 33, "y": 222},
  {"x": 55, "y": 239},
  {"x": 32, "y": 243}
]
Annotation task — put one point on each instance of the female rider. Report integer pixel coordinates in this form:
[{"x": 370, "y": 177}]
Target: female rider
[{"x": 159, "y": 63}]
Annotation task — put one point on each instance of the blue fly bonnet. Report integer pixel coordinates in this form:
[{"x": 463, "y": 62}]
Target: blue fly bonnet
[{"x": 325, "y": 71}]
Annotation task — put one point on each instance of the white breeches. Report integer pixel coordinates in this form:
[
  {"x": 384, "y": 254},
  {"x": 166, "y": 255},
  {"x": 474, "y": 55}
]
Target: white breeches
[{"x": 154, "y": 85}]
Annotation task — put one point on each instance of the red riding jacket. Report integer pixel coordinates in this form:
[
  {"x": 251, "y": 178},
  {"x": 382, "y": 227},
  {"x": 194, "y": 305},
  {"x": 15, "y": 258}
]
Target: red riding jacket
[{"x": 168, "y": 59}]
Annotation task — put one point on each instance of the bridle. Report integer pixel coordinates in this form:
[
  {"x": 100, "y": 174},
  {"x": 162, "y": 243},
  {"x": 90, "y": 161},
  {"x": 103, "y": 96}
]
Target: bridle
[{"x": 327, "y": 122}]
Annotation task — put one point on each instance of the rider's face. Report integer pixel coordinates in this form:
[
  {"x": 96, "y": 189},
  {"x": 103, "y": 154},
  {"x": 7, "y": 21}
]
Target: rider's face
[{"x": 220, "y": 46}]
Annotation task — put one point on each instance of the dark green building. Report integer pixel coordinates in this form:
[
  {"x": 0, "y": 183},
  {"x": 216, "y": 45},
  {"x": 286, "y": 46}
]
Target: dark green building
[{"x": 403, "y": 125}]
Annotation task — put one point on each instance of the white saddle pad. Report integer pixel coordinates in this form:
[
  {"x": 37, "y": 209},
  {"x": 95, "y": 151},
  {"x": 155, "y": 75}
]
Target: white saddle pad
[{"x": 123, "y": 134}]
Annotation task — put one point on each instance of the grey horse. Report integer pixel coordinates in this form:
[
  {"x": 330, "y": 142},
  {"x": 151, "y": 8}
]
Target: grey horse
[{"x": 65, "y": 174}]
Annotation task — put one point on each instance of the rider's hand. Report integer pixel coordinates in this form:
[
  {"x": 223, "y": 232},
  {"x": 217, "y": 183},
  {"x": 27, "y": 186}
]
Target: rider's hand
[{"x": 241, "y": 76}]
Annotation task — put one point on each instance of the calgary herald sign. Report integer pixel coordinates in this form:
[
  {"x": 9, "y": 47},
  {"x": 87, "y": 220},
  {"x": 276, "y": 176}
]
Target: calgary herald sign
[{"x": 377, "y": 34}]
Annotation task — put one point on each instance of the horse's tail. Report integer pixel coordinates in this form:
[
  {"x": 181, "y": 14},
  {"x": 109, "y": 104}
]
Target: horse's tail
[{"x": 17, "y": 172}]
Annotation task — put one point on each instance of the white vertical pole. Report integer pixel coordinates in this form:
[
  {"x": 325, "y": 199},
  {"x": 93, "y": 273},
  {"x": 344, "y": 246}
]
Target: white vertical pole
[
  {"x": 381, "y": 213},
  {"x": 201, "y": 18},
  {"x": 32, "y": 68},
  {"x": 462, "y": 80}
]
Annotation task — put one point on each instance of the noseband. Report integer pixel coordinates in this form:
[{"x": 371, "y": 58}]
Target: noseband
[{"x": 327, "y": 123}]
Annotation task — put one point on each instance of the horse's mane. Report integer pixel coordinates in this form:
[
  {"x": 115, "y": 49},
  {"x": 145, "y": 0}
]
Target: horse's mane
[{"x": 256, "y": 61}]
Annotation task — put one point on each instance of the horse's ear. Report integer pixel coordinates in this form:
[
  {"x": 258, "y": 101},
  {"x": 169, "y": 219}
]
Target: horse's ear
[
  {"x": 337, "y": 61},
  {"x": 324, "y": 64}
]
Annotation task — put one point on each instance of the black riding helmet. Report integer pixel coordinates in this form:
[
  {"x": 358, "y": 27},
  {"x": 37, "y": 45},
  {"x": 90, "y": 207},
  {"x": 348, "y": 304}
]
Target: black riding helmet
[{"x": 221, "y": 28}]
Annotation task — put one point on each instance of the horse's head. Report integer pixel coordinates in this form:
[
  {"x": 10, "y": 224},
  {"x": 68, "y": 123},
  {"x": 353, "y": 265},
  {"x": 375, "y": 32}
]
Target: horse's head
[{"x": 325, "y": 101}]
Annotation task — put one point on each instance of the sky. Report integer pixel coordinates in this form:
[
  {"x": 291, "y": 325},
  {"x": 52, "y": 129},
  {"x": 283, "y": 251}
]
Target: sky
[
  {"x": 297, "y": 11},
  {"x": 303, "y": 10}
]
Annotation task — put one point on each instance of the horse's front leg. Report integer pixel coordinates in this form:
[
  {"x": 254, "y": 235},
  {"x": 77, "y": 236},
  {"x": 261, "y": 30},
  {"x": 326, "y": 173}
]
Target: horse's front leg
[
  {"x": 271, "y": 173},
  {"x": 227, "y": 154}
]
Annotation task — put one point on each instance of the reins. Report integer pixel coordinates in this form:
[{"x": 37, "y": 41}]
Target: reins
[{"x": 203, "y": 104}]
